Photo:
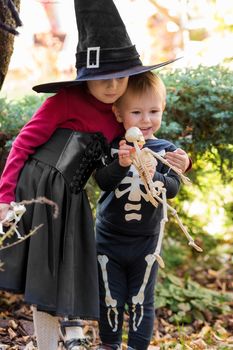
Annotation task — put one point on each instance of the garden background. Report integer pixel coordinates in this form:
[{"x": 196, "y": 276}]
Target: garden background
[{"x": 194, "y": 295}]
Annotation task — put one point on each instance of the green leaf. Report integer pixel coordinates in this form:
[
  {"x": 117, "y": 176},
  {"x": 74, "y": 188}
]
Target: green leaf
[
  {"x": 184, "y": 307},
  {"x": 176, "y": 280}
]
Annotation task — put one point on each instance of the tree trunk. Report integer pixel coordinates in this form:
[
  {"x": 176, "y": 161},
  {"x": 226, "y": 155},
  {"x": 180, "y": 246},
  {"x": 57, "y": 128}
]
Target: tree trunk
[{"x": 6, "y": 40}]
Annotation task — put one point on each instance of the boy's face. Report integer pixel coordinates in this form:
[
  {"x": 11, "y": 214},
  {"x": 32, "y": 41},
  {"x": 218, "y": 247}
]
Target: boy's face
[
  {"x": 109, "y": 90},
  {"x": 143, "y": 111}
]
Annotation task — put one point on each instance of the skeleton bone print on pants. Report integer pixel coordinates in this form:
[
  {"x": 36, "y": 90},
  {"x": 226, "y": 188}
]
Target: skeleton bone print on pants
[
  {"x": 110, "y": 302},
  {"x": 139, "y": 298}
]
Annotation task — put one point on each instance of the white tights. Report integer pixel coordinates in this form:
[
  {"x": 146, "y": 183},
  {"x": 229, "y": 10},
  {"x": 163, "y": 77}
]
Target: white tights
[{"x": 46, "y": 330}]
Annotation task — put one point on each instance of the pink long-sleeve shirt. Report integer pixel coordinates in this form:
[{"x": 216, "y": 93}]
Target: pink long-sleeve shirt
[{"x": 71, "y": 108}]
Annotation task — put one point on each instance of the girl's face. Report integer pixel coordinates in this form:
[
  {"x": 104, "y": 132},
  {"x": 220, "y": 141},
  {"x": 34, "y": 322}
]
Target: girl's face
[
  {"x": 143, "y": 111},
  {"x": 109, "y": 90}
]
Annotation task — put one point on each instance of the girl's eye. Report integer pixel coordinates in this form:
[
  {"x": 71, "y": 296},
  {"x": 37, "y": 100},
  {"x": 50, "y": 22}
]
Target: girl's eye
[
  {"x": 153, "y": 111},
  {"x": 136, "y": 112}
]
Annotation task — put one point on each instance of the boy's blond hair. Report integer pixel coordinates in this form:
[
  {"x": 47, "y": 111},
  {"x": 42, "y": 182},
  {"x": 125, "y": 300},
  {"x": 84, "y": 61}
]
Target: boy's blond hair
[{"x": 142, "y": 83}]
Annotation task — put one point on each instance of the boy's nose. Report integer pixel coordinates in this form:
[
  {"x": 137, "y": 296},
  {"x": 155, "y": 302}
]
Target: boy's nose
[{"x": 145, "y": 117}]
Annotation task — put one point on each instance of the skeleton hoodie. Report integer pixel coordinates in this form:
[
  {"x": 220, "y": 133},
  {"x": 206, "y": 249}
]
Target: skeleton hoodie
[{"x": 124, "y": 207}]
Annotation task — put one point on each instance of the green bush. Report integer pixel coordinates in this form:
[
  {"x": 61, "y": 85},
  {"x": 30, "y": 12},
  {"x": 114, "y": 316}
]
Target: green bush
[
  {"x": 14, "y": 114},
  {"x": 199, "y": 113}
]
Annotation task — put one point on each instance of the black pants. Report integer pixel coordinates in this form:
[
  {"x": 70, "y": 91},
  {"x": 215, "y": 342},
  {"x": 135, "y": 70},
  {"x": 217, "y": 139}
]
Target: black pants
[{"x": 127, "y": 275}]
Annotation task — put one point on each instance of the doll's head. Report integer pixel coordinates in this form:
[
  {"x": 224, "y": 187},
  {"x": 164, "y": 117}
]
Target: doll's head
[{"x": 143, "y": 104}]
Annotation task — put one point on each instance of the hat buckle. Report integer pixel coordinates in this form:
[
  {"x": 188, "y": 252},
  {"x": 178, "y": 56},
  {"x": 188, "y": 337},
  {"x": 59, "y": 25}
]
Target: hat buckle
[{"x": 93, "y": 57}]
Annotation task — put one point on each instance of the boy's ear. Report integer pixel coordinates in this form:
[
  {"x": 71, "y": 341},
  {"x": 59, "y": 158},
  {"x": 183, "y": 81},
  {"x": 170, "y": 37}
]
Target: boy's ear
[{"x": 117, "y": 113}]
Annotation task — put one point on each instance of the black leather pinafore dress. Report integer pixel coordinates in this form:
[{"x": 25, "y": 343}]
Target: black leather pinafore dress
[{"x": 56, "y": 269}]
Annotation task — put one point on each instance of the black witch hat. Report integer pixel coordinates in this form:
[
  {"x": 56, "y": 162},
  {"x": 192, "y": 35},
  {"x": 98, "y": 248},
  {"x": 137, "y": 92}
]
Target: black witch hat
[{"x": 104, "y": 48}]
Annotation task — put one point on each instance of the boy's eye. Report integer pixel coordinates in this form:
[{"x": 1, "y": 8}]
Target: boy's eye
[
  {"x": 153, "y": 111},
  {"x": 136, "y": 112}
]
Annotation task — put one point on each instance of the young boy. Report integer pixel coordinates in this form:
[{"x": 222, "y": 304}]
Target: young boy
[{"x": 127, "y": 224}]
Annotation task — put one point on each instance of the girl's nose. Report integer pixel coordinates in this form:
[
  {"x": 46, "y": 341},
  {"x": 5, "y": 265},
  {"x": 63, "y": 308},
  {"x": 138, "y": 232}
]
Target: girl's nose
[{"x": 112, "y": 83}]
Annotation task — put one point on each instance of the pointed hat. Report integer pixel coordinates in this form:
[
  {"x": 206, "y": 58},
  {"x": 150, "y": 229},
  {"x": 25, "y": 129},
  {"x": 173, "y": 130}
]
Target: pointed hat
[{"x": 104, "y": 49}]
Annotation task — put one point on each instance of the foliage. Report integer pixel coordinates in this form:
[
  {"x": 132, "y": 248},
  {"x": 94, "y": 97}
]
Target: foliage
[
  {"x": 93, "y": 193},
  {"x": 188, "y": 300},
  {"x": 205, "y": 207},
  {"x": 199, "y": 113},
  {"x": 14, "y": 114}
]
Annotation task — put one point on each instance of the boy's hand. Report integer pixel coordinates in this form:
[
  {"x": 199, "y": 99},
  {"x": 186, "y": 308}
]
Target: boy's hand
[
  {"x": 178, "y": 159},
  {"x": 124, "y": 153}
]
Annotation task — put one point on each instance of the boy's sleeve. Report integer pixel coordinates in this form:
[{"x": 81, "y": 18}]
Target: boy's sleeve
[
  {"x": 171, "y": 182},
  {"x": 109, "y": 176},
  {"x": 168, "y": 177}
]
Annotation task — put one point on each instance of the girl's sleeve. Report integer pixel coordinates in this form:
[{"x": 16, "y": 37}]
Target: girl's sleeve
[{"x": 35, "y": 133}]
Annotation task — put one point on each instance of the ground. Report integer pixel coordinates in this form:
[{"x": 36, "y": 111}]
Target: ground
[{"x": 16, "y": 330}]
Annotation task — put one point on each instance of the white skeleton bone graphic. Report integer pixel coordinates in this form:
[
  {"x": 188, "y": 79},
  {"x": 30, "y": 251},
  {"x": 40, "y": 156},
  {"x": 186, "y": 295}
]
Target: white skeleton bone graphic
[
  {"x": 139, "y": 298},
  {"x": 150, "y": 259},
  {"x": 110, "y": 302},
  {"x": 14, "y": 214},
  {"x": 134, "y": 189},
  {"x": 133, "y": 216},
  {"x": 134, "y": 182},
  {"x": 131, "y": 206}
]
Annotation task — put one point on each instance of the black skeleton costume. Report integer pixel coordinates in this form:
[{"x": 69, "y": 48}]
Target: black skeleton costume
[{"x": 127, "y": 229}]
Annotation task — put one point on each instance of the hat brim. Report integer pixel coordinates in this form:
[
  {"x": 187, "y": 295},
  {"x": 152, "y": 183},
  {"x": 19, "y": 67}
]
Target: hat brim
[{"x": 90, "y": 74}]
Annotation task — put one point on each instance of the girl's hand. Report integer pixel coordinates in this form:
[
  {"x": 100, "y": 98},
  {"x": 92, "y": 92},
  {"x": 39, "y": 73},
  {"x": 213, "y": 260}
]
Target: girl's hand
[
  {"x": 179, "y": 159},
  {"x": 4, "y": 207},
  {"x": 124, "y": 154}
]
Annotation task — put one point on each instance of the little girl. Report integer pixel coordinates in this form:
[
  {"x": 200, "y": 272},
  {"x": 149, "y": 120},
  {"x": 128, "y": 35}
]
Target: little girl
[{"x": 53, "y": 157}]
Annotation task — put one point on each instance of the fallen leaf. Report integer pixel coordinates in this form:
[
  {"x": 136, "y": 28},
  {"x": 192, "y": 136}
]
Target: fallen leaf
[
  {"x": 199, "y": 344},
  {"x": 13, "y": 324},
  {"x": 12, "y": 333},
  {"x": 205, "y": 330}
]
